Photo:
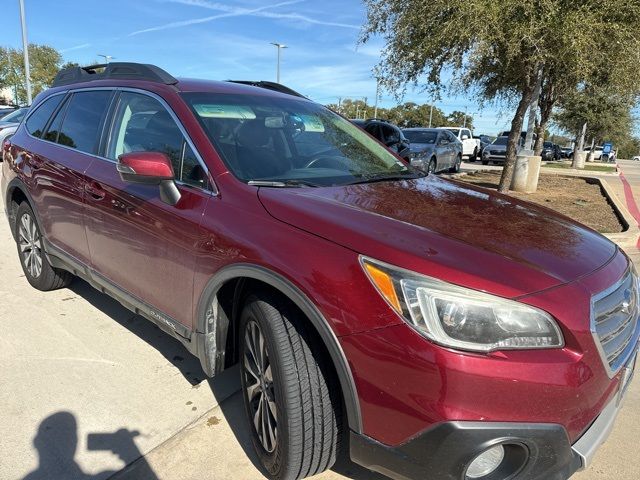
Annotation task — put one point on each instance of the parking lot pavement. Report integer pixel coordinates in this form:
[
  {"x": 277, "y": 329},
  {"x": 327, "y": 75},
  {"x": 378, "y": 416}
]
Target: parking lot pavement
[{"x": 86, "y": 387}]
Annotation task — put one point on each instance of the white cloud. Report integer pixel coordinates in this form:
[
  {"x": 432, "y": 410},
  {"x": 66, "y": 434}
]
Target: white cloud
[
  {"x": 260, "y": 12},
  {"x": 76, "y": 47}
]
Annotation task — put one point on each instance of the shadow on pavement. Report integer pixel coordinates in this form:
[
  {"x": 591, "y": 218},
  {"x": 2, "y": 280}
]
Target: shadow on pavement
[
  {"x": 56, "y": 443},
  {"x": 223, "y": 385},
  {"x": 233, "y": 411},
  {"x": 169, "y": 347}
]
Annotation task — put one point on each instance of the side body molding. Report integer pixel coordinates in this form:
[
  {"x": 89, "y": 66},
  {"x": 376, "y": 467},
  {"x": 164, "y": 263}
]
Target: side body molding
[{"x": 211, "y": 329}]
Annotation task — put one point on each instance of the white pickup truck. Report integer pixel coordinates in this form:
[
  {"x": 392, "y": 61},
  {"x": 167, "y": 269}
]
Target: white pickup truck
[{"x": 471, "y": 147}]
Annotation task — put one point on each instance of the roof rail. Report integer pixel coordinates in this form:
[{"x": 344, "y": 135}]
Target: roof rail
[
  {"x": 113, "y": 71},
  {"x": 276, "y": 87}
]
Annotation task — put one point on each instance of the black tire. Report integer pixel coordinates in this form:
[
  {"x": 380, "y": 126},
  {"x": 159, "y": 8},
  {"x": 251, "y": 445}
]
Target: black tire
[
  {"x": 432, "y": 167},
  {"x": 456, "y": 166},
  {"x": 35, "y": 265},
  {"x": 296, "y": 382},
  {"x": 485, "y": 162}
]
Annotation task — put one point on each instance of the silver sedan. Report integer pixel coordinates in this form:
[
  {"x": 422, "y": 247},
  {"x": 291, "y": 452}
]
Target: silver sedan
[{"x": 434, "y": 150}]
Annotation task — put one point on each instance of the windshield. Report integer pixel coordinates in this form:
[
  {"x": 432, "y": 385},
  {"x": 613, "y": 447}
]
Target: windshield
[
  {"x": 292, "y": 141},
  {"x": 420, "y": 136},
  {"x": 501, "y": 141},
  {"x": 548, "y": 145},
  {"x": 16, "y": 116}
]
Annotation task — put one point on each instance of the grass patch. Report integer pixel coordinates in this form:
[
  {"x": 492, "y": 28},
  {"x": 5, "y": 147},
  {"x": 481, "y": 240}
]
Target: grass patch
[{"x": 587, "y": 167}]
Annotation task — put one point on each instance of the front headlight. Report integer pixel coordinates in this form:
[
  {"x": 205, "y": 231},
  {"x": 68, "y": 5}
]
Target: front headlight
[{"x": 462, "y": 318}]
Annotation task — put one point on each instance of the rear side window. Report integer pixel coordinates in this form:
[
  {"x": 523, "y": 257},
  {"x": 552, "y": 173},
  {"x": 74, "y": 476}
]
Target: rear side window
[
  {"x": 39, "y": 118},
  {"x": 83, "y": 119}
]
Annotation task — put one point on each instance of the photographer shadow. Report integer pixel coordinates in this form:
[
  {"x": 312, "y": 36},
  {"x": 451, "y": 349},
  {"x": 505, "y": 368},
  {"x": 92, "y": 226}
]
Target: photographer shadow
[{"x": 57, "y": 441}]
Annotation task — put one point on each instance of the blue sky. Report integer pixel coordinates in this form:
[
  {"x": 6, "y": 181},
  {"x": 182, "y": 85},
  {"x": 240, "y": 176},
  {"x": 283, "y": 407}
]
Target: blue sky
[{"x": 226, "y": 40}]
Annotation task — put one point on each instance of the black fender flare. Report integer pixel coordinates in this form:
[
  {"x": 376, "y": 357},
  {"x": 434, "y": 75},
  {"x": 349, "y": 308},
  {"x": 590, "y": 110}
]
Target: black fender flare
[
  {"x": 14, "y": 184},
  {"x": 204, "y": 337}
]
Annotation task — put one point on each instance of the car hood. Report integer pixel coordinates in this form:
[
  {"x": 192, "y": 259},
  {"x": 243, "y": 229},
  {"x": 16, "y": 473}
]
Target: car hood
[
  {"x": 453, "y": 231},
  {"x": 497, "y": 148}
]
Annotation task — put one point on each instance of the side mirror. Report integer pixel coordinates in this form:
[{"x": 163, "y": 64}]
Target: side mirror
[
  {"x": 465, "y": 137},
  {"x": 150, "y": 168}
]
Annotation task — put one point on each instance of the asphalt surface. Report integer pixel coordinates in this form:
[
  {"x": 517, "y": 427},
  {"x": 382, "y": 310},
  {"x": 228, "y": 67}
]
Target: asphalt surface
[{"x": 86, "y": 388}]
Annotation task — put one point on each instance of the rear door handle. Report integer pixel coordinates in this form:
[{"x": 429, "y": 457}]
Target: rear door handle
[{"x": 94, "y": 190}]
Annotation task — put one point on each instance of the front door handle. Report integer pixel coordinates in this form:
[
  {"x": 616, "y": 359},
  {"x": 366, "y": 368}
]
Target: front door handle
[{"x": 94, "y": 190}]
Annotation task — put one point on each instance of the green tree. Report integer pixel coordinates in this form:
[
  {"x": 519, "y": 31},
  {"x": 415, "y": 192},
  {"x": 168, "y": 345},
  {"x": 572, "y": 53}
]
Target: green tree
[
  {"x": 459, "y": 119},
  {"x": 44, "y": 63},
  {"x": 607, "y": 115},
  {"x": 503, "y": 50}
]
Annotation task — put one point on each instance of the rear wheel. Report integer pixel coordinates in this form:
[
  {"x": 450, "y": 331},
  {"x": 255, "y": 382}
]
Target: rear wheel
[
  {"x": 290, "y": 399},
  {"x": 485, "y": 162},
  {"x": 39, "y": 272}
]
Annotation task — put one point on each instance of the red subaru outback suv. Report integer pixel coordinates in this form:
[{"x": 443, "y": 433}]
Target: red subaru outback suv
[{"x": 447, "y": 332}]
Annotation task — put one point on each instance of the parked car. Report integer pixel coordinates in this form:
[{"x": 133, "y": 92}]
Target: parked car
[
  {"x": 597, "y": 152},
  {"x": 4, "y": 111},
  {"x": 636, "y": 158},
  {"x": 485, "y": 140},
  {"x": 497, "y": 151},
  {"x": 567, "y": 152},
  {"x": 551, "y": 152},
  {"x": 359, "y": 297},
  {"x": 388, "y": 133},
  {"x": 9, "y": 124},
  {"x": 470, "y": 145},
  {"x": 434, "y": 150}
]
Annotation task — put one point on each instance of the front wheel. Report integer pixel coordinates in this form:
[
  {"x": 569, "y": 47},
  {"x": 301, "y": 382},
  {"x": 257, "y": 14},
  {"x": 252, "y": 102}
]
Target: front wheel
[
  {"x": 456, "y": 165},
  {"x": 432, "y": 167},
  {"x": 35, "y": 265},
  {"x": 289, "y": 395}
]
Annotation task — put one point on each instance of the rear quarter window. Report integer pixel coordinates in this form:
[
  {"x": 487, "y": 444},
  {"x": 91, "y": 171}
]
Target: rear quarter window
[
  {"x": 38, "y": 120},
  {"x": 83, "y": 119}
]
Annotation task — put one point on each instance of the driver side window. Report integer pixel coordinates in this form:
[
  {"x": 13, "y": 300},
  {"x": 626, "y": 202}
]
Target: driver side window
[{"x": 142, "y": 124}]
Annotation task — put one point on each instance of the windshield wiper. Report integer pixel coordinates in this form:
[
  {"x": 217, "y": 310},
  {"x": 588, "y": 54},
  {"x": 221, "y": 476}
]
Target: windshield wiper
[
  {"x": 388, "y": 178},
  {"x": 282, "y": 183}
]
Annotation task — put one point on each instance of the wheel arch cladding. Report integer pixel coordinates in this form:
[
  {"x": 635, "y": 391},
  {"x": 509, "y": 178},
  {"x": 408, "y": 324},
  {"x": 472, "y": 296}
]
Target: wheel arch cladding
[
  {"x": 212, "y": 327},
  {"x": 17, "y": 193}
]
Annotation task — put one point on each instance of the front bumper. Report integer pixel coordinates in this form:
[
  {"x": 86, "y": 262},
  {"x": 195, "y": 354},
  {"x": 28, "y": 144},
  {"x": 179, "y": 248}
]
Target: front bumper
[{"x": 534, "y": 451}]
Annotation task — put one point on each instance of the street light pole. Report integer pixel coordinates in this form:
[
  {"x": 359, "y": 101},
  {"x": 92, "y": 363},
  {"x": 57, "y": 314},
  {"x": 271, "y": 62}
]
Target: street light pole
[
  {"x": 430, "y": 115},
  {"x": 25, "y": 50},
  {"x": 106, "y": 58},
  {"x": 279, "y": 46},
  {"x": 375, "y": 112}
]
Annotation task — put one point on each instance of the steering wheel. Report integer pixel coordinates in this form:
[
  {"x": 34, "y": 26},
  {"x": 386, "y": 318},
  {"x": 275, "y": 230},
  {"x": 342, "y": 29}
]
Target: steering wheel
[{"x": 327, "y": 161}]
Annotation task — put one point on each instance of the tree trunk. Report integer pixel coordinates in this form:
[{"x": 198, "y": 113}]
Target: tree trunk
[
  {"x": 540, "y": 130},
  {"x": 590, "y": 156},
  {"x": 514, "y": 138},
  {"x": 577, "y": 150}
]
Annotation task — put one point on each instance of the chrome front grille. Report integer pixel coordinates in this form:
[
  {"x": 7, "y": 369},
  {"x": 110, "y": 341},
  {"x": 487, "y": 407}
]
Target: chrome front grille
[{"x": 615, "y": 325}]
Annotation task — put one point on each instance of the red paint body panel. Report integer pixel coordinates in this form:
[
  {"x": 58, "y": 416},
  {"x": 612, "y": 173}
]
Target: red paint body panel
[
  {"x": 165, "y": 255},
  {"x": 424, "y": 384}
]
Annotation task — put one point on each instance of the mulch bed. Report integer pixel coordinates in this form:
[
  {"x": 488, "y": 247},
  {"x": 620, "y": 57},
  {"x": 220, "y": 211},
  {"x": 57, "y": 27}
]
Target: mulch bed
[{"x": 573, "y": 197}]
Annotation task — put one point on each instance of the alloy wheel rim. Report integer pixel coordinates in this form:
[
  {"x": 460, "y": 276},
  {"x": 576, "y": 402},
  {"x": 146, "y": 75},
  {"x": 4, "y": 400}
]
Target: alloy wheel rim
[
  {"x": 30, "y": 245},
  {"x": 259, "y": 387}
]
